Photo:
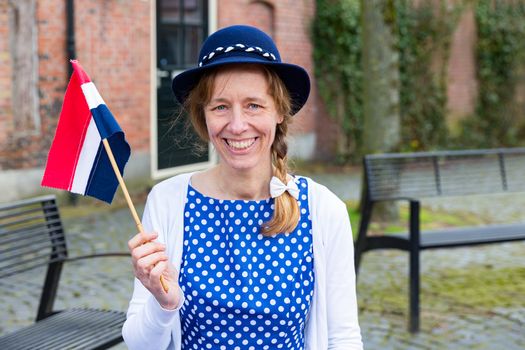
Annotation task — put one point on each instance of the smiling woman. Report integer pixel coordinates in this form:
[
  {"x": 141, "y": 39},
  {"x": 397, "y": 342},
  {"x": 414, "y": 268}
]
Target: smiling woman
[
  {"x": 248, "y": 129},
  {"x": 255, "y": 258}
]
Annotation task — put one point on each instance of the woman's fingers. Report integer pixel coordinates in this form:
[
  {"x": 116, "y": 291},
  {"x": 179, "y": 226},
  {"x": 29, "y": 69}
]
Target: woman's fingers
[
  {"x": 158, "y": 270},
  {"x": 147, "y": 249},
  {"x": 148, "y": 262},
  {"x": 145, "y": 253},
  {"x": 141, "y": 238}
]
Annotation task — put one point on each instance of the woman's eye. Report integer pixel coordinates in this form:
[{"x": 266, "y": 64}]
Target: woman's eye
[
  {"x": 219, "y": 108},
  {"x": 254, "y": 106}
]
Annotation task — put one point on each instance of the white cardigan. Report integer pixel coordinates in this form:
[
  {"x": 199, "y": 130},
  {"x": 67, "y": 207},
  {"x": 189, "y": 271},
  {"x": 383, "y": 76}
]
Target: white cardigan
[{"x": 332, "y": 321}]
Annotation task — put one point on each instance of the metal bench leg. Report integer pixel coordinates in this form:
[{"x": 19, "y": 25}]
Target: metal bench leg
[
  {"x": 414, "y": 267},
  {"x": 360, "y": 245},
  {"x": 414, "y": 291}
]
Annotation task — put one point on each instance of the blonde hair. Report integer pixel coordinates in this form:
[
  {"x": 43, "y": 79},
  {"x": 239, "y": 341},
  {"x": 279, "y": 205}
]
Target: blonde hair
[{"x": 286, "y": 209}]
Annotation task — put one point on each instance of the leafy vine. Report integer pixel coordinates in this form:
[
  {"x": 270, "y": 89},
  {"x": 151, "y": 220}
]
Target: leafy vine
[
  {"x": 500, "y": 55},
  {"x": 336, "y": 35}
]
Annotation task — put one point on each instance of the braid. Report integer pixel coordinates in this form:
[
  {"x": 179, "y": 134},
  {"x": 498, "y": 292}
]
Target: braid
[
  {"x": 279, "y": 152},
  {"x": 286, "y": 209}
]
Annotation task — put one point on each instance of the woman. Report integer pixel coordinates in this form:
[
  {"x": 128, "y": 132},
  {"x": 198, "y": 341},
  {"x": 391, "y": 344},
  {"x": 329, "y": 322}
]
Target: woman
[{"x": 252, "y": 257}]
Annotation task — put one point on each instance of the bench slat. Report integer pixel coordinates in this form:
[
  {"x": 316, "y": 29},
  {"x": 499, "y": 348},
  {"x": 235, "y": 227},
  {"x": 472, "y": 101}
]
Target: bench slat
[
  {"x": 27, "y": 202},
  {"x": 455, "y": 237},
  {"x": 32, "y": 224},
  {"x": 445, "y": 173},
  {"x": 39, "y": 260},
  {"x": 70, "y": 329},
  {"x": 23, "y": 211},
  {"x": 33, "y": 233}
]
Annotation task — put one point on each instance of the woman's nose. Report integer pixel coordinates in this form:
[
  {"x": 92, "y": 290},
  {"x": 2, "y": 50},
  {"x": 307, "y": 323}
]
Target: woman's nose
[{"x": 237, "y": 124}]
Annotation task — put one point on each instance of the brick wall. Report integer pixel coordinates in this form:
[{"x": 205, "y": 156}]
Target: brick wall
[
  {"x": 112, "y": 44},
  {"x": 27, "y": 150},
  {"x": 462, "y": 83}
]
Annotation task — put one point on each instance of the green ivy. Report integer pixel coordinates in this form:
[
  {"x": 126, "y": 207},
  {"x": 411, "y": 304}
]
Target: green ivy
[
  {"x": 336, "y": 35},
  {"x": 500, "y": 57},
  {"x": 425, "y": 33}
]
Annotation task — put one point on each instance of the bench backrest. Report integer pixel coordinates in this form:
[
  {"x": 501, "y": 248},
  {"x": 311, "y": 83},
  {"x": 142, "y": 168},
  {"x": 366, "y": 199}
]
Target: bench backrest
[
  {"x": 444, "y": 173},
  {"x": 31, "y": 235}
]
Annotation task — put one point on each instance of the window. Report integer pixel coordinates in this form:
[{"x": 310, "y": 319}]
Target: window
[{"x": 182, "y": 26}]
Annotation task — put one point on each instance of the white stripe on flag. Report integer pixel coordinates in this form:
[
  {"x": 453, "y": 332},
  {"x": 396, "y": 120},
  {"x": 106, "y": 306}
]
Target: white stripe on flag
[
  {"x": 86, "y": 159},
  {"x": 92, "y": 96}
]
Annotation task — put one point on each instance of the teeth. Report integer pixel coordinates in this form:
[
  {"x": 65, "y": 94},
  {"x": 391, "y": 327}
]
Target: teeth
[{"x": 240, "y": 144}]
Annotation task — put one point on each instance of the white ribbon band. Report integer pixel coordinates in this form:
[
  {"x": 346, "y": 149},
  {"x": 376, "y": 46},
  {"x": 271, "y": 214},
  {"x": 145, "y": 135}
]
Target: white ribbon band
[{"x": 277, "y": 188}]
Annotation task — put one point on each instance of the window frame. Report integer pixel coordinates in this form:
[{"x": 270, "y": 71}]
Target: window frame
[{"x": 155, "y": 172}]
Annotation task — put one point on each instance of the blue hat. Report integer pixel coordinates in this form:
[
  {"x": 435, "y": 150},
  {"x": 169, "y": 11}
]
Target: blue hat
[{"x": 244, "y": 44}]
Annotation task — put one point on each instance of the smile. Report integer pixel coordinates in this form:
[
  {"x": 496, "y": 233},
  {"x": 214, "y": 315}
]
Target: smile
[{"x": 240, "y": 144}]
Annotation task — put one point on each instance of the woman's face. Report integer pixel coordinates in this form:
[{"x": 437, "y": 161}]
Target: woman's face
[{"x": 241, "y": 118}]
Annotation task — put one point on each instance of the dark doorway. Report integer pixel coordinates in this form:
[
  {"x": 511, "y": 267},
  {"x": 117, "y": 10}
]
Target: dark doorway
[{"x": 182, "y": 25}]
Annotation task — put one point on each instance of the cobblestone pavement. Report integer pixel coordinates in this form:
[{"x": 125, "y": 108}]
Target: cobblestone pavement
[{"x": 448, "y": 319}]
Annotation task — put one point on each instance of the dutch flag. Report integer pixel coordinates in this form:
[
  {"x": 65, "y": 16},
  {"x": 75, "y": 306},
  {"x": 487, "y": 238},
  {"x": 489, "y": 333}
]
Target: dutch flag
[{"x": 77, "y": 160}]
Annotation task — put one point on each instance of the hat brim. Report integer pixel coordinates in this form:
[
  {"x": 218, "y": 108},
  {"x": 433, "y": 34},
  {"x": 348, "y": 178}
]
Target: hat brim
[{"x": 294, "y": 77}]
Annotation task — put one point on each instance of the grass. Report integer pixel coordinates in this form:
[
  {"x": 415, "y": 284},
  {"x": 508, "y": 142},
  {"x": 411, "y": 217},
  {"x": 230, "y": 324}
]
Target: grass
[
  {"x": 479, "y": 289},
  {"x": 429, "y": 219},
  {"x": 480, "y": 285}
]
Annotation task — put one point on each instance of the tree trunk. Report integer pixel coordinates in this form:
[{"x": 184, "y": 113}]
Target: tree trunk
[{"x": 381, "y": 83}]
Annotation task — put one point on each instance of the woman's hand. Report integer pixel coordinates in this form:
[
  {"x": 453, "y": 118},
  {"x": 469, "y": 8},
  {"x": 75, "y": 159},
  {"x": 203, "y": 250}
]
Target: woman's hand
[{"x": 150, "y": 262}]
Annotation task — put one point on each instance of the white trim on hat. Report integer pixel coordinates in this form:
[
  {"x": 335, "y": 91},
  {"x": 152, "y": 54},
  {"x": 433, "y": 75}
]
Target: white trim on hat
[{"x": 237, "y": 47}]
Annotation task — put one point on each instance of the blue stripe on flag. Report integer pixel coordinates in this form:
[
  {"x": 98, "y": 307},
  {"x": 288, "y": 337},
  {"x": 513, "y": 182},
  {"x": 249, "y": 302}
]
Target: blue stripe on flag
[
  {"x": 106, "y": 123},
  {"x": 102, "y": 182}
]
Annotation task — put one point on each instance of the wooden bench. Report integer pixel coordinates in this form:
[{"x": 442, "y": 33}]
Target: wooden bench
[
  {"x": 31, "y": 239},
  {"x": 414, "y": 176}
]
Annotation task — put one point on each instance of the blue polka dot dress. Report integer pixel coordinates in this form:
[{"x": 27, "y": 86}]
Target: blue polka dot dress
[{"x": 244, "y": 290}]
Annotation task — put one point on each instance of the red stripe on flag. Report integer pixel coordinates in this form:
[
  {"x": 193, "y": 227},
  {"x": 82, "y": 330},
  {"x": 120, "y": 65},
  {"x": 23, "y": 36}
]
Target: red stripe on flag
[
  {"x": 69, "y": 137},
  {"x": 82, "y": 76}
]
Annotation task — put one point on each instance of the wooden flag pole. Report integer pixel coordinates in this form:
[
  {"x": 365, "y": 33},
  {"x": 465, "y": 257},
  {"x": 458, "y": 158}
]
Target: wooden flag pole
[{"x": 128, "y": 198}]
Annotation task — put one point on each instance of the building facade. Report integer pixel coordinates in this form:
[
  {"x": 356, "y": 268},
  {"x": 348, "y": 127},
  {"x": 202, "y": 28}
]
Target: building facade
[{"x": 131, "y": 49}]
